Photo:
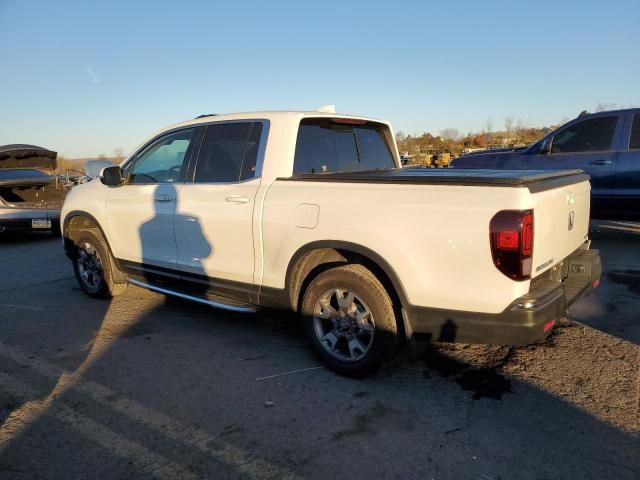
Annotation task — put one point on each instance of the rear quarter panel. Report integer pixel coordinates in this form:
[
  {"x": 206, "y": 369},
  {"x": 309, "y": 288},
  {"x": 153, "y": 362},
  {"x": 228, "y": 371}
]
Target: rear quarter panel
[{"x": 435, "y": 237}]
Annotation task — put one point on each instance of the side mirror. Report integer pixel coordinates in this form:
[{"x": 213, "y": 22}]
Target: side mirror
[
  {"x": 545, "y": 148},
  {"x": 93, "y": 168},
  {"x": 111, "y": 176}
]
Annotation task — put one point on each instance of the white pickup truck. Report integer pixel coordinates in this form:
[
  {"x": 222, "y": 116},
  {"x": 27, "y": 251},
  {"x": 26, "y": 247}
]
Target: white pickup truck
[{"x": 312, "y": 212}]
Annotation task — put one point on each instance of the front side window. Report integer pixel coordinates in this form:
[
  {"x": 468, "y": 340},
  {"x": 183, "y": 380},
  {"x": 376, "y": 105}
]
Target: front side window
[
  {"x": 591, "y": 135},
  {"x": 634, "y": 141},
  {"x": 325, "y": 145},
  {"x": 161, "y": 162},
  {"x": 229, "y": 152}
]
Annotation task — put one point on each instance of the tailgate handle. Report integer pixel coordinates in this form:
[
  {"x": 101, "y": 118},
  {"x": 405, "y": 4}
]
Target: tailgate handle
[{"x": 601, "y": 162}]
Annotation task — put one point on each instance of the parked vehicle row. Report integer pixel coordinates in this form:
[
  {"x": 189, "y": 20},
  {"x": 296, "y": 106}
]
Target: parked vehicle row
[
  {"x": 606, "y": 145},
  {"x": 312, "y": 212}
]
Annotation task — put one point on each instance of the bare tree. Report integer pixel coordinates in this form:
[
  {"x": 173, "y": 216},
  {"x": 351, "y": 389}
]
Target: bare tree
[
  {"x": 451, "y": 134},
  {"x": 489, "y": 125},
  {"x": 400, "y": 136},
  {"x": 118, "y": 153},
  {"x": 508, "y": 124},
  {"x": 521, "y": 126}
]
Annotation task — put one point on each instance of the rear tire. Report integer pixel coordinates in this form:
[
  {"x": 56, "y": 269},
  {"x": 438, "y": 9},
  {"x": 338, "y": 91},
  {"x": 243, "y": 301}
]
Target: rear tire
[
  {"x": 93, "y": 265},
  {"x": 349, "y": 320}
]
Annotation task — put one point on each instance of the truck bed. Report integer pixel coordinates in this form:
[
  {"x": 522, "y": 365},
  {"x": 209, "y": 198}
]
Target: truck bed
[{"x": 534, "y": 180}]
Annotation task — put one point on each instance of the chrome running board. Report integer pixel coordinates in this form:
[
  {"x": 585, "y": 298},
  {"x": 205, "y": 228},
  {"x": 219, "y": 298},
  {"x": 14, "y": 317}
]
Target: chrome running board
[{"x": 233, "y": 308}]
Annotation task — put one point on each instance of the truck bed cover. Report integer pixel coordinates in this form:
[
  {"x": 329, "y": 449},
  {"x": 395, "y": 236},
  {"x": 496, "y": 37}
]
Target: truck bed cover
[{"x": 534, "y": 180}]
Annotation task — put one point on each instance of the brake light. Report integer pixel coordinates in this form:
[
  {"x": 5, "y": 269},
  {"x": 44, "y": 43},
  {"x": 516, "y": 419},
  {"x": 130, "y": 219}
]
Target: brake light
[
  {"x": 508, "y": 240},
  {"x": 511, "y": 239},
  {"x": 349, "y": 121}
]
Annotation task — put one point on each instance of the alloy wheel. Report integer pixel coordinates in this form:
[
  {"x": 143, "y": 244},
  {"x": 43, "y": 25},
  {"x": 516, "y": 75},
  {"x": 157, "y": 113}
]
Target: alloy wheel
[{"x": 343, "y": 325}]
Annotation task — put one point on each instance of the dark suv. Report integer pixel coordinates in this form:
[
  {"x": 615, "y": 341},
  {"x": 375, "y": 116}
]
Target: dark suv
[{"x": 606, "y": 145}]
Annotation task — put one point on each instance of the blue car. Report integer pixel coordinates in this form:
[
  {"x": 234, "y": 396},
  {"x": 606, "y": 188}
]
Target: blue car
[{"x": 606, "y": 145}]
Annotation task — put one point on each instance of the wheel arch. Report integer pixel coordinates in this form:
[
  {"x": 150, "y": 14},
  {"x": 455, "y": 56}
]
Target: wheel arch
[
  {"x": 315, "y": 257},
  {"x": 79, "y": 220}
]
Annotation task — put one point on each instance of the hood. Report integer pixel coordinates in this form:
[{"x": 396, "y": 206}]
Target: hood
[
  {"x": 494, "y": 151},
  {"x": 499, "y": 159},
  {"x": 27, "y": 156}
]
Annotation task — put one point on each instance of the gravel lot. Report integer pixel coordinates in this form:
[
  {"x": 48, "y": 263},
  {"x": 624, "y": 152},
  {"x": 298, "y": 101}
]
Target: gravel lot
[{"x": 144, "y": 386}]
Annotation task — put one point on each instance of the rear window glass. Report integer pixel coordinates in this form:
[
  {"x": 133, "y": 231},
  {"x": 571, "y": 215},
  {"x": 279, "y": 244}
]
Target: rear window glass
[
  {"x": 634, "y": 141},
  {"x": 229, "y": 152},
  {"x": 326, "y": 146}
]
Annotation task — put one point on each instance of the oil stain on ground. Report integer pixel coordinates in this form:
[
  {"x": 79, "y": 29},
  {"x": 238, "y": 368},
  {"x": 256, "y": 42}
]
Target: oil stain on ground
[
  {"x": 364, "y": 423},
  {"x": 484, "y": 382}
]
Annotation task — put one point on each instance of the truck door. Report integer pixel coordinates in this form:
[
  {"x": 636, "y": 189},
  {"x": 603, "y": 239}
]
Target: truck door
[
  {"x": 140, "y": 212},
  {"x": 625, "y": 197},
  {"x": 214, "y": 214},
  {"x": 589, "y": 144}
]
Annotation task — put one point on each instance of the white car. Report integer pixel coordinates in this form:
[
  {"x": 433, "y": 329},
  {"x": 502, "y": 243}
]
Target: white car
[{"x": 312, "y": 212}]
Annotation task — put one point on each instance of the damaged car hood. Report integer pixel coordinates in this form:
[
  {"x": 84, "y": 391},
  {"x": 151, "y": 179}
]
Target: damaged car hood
[{"x": 27, "y": 156}]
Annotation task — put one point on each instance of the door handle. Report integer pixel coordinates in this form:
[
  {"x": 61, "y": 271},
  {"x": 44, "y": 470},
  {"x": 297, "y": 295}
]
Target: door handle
[
  {"x": 164, "y": 198},
  {"x": 237, "y": 199},
  {"x": 601, "y": 162}
]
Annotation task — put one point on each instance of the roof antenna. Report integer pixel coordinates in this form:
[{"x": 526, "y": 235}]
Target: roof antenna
[
  {"x": 327, "y": 109},
  {"x": 583, "y": 113}
]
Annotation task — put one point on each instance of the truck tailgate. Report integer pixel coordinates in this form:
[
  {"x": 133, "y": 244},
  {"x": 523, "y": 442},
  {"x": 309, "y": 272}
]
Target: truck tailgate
[{"x": 561, "y": 223}]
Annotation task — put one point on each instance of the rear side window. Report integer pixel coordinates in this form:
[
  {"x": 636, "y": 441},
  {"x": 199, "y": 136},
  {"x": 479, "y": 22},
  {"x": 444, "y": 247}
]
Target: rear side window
[
  {"x": 229, "y": 152},
  {"x": 326, "y": 146},
  {"x": 591, "y": 135},
  {"x": 634, "y": 141}
]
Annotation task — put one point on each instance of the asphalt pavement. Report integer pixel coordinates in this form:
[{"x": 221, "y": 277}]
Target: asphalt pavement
[{"x": 148, "y": 387}]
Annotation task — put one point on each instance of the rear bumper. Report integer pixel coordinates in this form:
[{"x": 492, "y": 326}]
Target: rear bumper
[
  {"x": 527, "y": 320},
  {"x": 20, "y": 219}
]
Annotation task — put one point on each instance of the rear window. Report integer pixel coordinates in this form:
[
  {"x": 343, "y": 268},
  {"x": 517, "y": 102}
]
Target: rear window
[
  {"x": 324, "y": 145},
  {"x": 229, "y": 152},
  {"x": 634, "y": 141}
]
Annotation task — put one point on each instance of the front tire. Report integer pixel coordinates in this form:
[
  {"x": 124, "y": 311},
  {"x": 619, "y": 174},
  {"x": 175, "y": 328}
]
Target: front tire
[
  {"x": 349, "y": 320},
  {"x": 92, "y": 265}
]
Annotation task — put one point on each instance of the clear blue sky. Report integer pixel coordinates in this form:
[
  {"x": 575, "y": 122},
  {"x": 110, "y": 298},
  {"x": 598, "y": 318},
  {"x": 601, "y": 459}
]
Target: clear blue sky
[{"x": 85, "y": 77}]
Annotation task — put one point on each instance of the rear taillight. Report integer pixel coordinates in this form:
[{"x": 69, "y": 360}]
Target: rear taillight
[{"x": 511, "y": 238}]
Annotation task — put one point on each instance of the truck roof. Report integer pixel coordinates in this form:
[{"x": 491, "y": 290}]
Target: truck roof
[
  {"x": 269, "y": 115},
  {"x": 608, "y": 112}
]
